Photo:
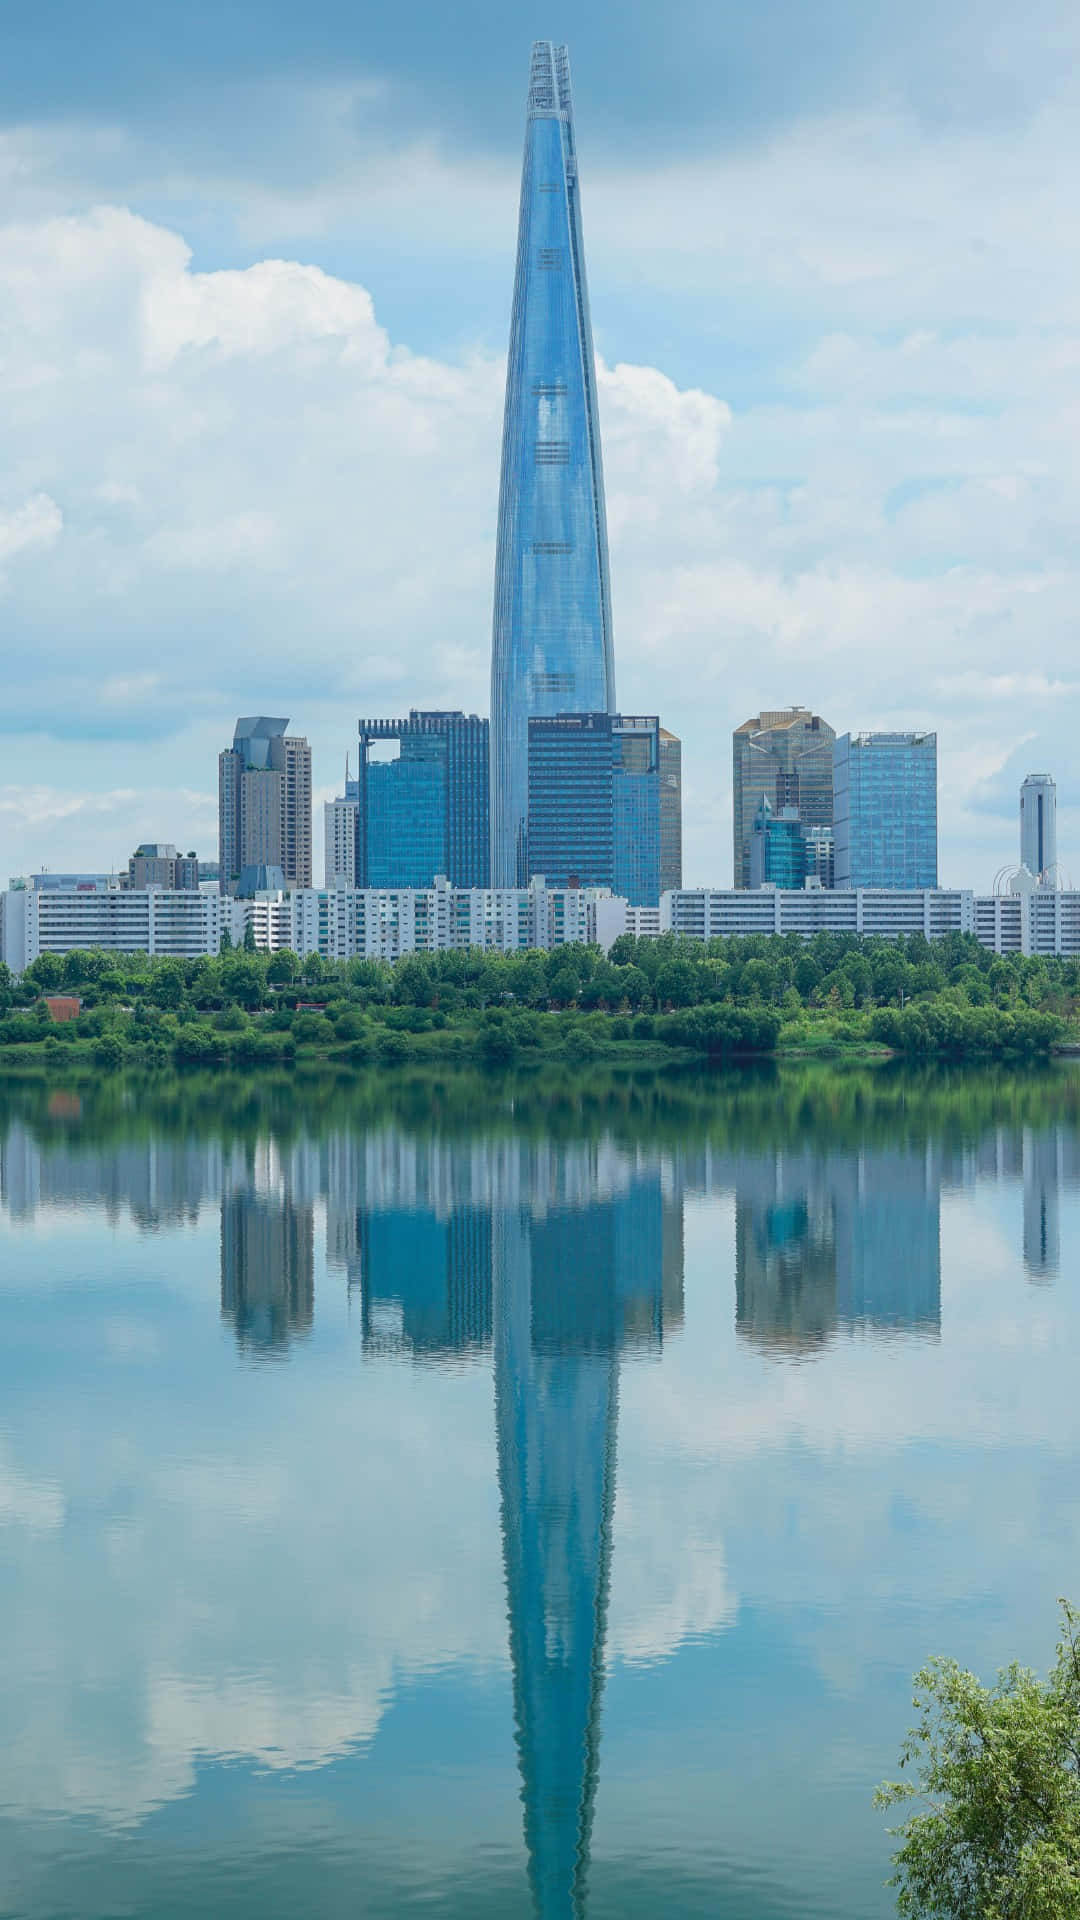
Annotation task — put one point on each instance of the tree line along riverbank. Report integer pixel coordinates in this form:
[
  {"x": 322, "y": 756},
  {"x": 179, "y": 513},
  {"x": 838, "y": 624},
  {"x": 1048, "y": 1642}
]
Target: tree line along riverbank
[{"x": 652, "y": 999}]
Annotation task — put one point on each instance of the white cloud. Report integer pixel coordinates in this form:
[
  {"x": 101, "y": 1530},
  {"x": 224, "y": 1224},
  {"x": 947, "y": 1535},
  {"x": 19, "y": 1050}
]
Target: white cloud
[
  {"x": 267, "y": 501},
  {"x": 36, "y": 523}
]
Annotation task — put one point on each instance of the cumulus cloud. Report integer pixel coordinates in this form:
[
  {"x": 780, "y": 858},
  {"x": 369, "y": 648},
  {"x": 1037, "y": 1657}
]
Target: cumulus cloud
[{"x": 235, "y": 488}]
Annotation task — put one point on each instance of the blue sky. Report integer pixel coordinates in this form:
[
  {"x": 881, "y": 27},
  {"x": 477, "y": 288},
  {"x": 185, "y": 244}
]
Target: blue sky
[{"x": 255, "y": 276}]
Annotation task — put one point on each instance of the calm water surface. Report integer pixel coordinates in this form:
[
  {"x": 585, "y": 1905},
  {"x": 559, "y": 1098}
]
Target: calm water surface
[{"x": 491, "y": 1499}]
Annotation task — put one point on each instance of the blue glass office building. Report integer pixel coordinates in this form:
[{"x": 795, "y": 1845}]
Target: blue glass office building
[
  {"x": 885, "y": 810},
  {"x": 425, "y": 811},
  {"x": 594, "y": 802},
  {"x": 551, "y": 639},
  {"x": 778, "y": 853}
]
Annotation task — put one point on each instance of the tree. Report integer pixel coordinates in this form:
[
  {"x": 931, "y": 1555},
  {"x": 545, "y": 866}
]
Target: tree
[
  {"x": 998, "y": 1771},
  {"x": 283, "y": 968},
  {"x": 249, "y": 937}
]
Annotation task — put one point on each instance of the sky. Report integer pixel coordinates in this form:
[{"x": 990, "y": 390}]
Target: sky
[{"x": 255, "y": 277}]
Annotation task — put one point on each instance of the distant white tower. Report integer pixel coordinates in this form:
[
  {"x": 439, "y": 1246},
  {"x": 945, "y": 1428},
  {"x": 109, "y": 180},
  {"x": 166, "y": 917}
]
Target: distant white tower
[{"x": 1038, "y": 826}]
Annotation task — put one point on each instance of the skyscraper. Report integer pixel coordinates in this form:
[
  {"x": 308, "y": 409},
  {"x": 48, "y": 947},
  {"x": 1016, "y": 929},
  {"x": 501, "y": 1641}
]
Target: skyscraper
[
  {"x": 670, "y": 811},
  {"x": 425, "y": 810},
  {"x": 885, "y": 810},
  {"x": 339, "y": 822},
  {"x": 264, "y": 804},
  {"x": 551, "y": 637},
  {"x": 1038, "y": 826},
  {"x": 786, "y": 758},
  {"x": 292, "y": 756},
  {"x": 594, "y": 802}
]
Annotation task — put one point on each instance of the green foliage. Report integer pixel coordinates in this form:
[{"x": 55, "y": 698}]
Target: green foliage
[
  {"x": 284, "y": 968},
  {"x": 997, "y": 1770},
  {"x": 716, "y": 999}
]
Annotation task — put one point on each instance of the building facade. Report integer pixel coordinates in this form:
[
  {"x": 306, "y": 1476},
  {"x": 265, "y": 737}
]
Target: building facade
[
  {"x": 885, "y": 810},
  {"x": 185, "y": 923},
  {"x": 778, "y": 849},
  {"x": 339, "y": 837},
  {"x": 594, "y": 802},
  {"x": 1038, "y": 826},
  {"x": 786, "y": 758},
  {"x": 671, "y": 874},
  {"x": 349, "y": 923},
  {"x": 292, "y": 755},
  {"x": 425, "y": 809},
  {"x": 156, "y": 863},
  {"x": 551, "y": 637},
  {"x": 264, "y": 803}
]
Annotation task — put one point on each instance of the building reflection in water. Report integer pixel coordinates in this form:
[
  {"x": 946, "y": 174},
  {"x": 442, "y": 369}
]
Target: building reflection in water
[
  {"x": 574, "y": 1288},
  {"x": 830, "y": 1240},
  {"x": 267, "y": 1253},
  {"x": 559, "y": 1260},
  {"x": 1050, "y": 1162}
]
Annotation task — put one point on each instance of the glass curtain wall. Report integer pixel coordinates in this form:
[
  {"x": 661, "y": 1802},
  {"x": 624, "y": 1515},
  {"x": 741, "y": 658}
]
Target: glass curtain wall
[{"x": 551, "y": 638}]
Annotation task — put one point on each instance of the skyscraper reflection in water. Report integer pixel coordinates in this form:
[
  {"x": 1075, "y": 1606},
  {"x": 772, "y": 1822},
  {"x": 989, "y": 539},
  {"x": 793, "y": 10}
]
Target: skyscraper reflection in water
[
  {"x": 267, "y": 1254},
  {"x": 569, "y": 1257},
  {"x": 573, "y": 1290},
  {"x": 824, "y": 1241}
]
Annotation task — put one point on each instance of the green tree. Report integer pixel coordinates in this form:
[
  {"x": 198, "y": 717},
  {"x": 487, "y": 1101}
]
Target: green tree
[
  {"x": 249, "y": 937},
  {"x": 998, "y": 1772},
  {"x": 283, "y": 968}
]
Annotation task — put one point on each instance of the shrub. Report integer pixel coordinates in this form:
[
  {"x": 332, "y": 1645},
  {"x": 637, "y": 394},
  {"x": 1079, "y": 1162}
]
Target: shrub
[{"x": 108, "y": 1052}]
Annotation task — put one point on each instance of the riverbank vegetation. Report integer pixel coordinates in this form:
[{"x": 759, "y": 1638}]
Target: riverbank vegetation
[
  {"x": 648, "y": 1000},
  {"x": 994, "y": 1775}
]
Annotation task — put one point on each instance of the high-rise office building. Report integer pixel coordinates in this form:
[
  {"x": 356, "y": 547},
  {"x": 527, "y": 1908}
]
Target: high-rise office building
[
  {"x": 637, "y": 804},
  {"x": 264, "y": 805},
  {"x": 1038, "y": 826},
  {"x": 786, "y": 758},
  {"x": 551, "y": 636},
  {"x": 423, "y": 810},
  {"x": 594, "y": 802},
  {"x": 777, "y": 849},
  {"x": 670, "y": 811},
  {"x": 885, "y": 810}
]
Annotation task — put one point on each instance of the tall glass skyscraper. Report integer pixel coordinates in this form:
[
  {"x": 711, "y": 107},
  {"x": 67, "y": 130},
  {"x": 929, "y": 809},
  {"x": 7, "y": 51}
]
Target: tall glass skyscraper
[
  {"x": 885, "y": 810},
  {"x": 551, "y": 638},
  {"x": 424, "y": 811},
  {"x": 594, "y": 802}
]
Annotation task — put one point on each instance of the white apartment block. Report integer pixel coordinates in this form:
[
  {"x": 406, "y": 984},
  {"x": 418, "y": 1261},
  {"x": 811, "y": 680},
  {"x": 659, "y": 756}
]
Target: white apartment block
[
  {"x": 345, "y": 923},
  {"x": 185, "y": 924},
  {"x": 384, "y": 923},
  {"x": 703, "y": 913},
  {"x": 1037, "y": 922}
]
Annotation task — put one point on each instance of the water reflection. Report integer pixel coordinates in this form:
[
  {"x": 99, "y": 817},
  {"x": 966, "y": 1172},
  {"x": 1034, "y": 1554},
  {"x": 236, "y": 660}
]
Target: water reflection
[
  {"x": 559, "y": 1263},
  {"x": 828, "y": 1240}
]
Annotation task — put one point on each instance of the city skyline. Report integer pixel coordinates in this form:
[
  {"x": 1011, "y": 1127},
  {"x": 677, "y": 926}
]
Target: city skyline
[{"x": 813, "y": 494}]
